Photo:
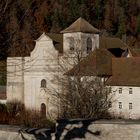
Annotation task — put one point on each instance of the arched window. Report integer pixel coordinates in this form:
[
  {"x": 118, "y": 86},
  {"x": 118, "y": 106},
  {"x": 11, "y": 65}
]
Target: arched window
[
  {"x": 89, "y": 45},
  {"x": 43, "y": 83},
  {"x": 43, "y": 110},
  {"x": 71, "y": 43}
]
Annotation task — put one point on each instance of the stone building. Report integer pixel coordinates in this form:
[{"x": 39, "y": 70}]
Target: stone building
[{"x": 32, "y": 80}]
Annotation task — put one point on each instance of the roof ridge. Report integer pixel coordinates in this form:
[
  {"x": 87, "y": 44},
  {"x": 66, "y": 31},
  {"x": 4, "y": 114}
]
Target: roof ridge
[{"x": 81, "y": 25}]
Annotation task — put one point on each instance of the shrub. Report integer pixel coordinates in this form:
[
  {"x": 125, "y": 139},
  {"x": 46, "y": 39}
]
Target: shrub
[
  {"x": 14, "y": 108},
  {"x": 14, "y": 113},
  {"x": 32, "y": 118},
  {"x": 17, "y": 115},
  {"x": 4, "y": 116}
]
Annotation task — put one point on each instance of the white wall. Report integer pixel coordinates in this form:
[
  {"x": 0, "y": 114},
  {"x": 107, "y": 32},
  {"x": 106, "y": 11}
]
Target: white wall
[
  {"x": 80, "y": 41},
  {"x": 15, "y": 79},
  {"x": 41, "y": 64},
  {"x": 126, "y": 98}
]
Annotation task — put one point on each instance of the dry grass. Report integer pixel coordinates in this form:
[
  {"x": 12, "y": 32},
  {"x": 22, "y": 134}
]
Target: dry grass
[{"x": 15, "y": 114}]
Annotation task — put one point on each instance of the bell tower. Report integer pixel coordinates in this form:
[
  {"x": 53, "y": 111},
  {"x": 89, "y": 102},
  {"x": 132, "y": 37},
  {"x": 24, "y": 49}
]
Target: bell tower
[{"x": 80, "y": 35}]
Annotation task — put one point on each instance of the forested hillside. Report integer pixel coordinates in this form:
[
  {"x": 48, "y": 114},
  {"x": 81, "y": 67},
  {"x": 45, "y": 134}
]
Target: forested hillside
[{"x": 22, "y": 21}]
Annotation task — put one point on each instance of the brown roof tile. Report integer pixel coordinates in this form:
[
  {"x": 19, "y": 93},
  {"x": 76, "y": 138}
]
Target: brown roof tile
[
  {"x": 108, "y": 42},
  {"x": 96, "y": 63},
  {"x": 125, "y": 72},
  {"x": 57, "y": 40},
  {"x": 81, "y": 25}
]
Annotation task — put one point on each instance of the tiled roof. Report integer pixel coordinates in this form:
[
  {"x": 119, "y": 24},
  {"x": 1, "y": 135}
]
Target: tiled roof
[
  {"x": 97, "y": 63},
  {"x": 125, "y": 72},
  {"x": 57, "y": 40},
  {"x": 109, "y": 42},
  {"x": 81, "y": 25}
]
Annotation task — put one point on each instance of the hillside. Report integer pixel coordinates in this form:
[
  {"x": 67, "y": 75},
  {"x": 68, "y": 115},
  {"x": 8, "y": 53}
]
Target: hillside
[{"x": 21, "y": 22}]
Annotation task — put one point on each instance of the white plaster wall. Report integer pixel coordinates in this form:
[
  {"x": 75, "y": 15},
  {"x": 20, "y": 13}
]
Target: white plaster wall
[
  {"x": 24, "y": 77},
  {"x": 126, "y": 98},
  {"x": 3, "y": 101},
  {"x": 15, "y": 79},
  {"x": 80, "y": 41},
  {"x": 43, "y": 64}
]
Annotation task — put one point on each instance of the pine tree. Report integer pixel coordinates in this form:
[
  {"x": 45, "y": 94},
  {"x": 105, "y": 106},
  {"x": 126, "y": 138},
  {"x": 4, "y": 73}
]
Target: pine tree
[
  {"x": 138, "y": 25},
  {"x": 122, "y": 25}
]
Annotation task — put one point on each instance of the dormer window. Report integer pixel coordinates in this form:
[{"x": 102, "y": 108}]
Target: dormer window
[
  {"x": 43, "y": 83},
  {"x": 89, "y": 45},
  {"x": 71, "y": 43}
]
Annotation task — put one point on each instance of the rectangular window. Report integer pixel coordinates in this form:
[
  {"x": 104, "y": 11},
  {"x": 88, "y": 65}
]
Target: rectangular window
[
  {"x": 71, "y": 43},
  {"x": 120, "y": 90},
  {"x": 130, "y": 91},
  {"x": 130, "y": 106},
  {"x": 120, "y": 105}
]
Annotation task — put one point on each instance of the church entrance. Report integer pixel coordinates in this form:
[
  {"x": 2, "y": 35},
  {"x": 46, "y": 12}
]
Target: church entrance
[{"x": 43, "y": 110}]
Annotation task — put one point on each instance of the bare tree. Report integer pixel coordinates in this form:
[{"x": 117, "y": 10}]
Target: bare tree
[{"x": 81, "y": 96}]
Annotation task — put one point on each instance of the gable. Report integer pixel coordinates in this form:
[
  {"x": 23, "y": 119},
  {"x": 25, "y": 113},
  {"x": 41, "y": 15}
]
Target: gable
[{"x": 44, "y": 47}]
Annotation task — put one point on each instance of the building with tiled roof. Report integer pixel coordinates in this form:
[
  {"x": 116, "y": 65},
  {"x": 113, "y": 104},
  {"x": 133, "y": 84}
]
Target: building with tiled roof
[
  {"x": 121, "y": 70},
  {"x": 81, "y": 25},
  {"x": 31, "y": 79}
]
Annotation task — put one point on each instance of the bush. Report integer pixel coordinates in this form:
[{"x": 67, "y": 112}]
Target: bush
[
  {"x": 32, "y": 118},
  {"x": 14, "y": 113},
  {"x": 14, "y": 108},
  {"x": 4, "y": 116}
]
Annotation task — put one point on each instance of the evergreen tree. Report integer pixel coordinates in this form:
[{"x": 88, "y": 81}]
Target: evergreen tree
[
  {"x": 138, "y": 25},
  {"x": 122, "y": 25}
]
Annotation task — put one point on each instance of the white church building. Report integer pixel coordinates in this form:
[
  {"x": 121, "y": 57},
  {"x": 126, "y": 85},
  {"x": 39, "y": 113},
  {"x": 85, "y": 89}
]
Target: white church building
[{"x": 33, "y": 79}]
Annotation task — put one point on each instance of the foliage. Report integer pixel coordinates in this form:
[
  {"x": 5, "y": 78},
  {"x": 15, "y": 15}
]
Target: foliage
[
  {"x": 4, "y": 119},
  {"x": 13, "y": 113},
  {"x": 138, "y": 25},
  {"x": 14, "y": 108},
  {"x": 23, "y": 21},
  {"x": 122, "y": 25}
]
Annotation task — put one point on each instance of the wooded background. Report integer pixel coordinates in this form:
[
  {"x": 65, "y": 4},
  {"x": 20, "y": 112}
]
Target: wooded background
[{"x": 21, "y": 22}]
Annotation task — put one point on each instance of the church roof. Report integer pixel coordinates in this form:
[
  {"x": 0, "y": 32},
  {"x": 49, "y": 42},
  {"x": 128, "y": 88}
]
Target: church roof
[
  {"x": 109, "y": 42},
  {"x": 57, "y": 41},
  {"x": 125, "y": 72},
  {"x": 97, "y": 63},
  {"x": 81, "y": 25}
]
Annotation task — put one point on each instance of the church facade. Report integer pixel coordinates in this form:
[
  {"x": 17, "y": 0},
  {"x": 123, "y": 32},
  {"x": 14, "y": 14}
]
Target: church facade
[{"x": 32, "y": 80}]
